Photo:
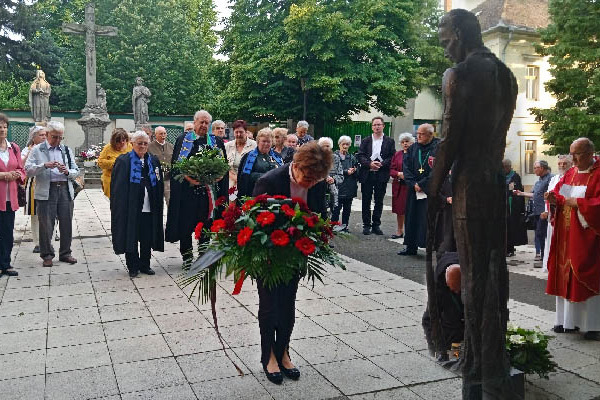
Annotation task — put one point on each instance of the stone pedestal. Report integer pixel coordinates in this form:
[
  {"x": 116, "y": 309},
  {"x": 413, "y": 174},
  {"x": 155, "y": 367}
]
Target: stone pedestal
[{"x": 94, "y": 121}]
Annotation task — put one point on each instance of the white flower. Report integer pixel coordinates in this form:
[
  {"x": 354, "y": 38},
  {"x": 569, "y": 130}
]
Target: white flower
[
  {"x": 533, "y": 338},
  {"x": 516, "y": 339},
  {"x": 511, "y": 327}
]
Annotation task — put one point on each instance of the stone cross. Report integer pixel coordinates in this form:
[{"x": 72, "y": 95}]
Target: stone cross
[{"x": 90, "y": 30}]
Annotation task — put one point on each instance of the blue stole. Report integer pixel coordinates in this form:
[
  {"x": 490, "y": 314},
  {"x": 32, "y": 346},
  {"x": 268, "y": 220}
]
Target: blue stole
[
  {"x": 135, "y": 163},
  {"x": 252, "y": 159},
  {"x": 188, "y": 143}
]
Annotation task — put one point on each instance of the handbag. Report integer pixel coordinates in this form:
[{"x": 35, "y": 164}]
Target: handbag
[
  {"x": 78, "y": 183},
  {"x": 21, "y": 196},
  {"x": 528, "y": 217}
]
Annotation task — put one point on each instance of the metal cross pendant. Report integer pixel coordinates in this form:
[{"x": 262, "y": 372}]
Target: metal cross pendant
[{"x": 421, "y": 170}]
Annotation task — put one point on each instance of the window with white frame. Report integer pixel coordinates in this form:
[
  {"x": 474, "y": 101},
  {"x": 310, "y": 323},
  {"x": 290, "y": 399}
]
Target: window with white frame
[
  {"x": 530, "y": 155},
  {"x": 532, "y": 89}
]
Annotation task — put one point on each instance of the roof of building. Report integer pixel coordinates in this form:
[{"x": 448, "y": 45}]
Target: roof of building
[{"x": 528, "y": 15}]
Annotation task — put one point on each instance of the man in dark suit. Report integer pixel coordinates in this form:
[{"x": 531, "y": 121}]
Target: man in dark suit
[{"x": 375, "y": 156}]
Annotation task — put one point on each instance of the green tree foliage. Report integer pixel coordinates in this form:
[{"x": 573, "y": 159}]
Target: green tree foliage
[
  {"x": 346, "y": 56},
  {"x": 572, "y": 44},
  {"x": 169, "y": 43},
  {"x": 14, "y": 94}
]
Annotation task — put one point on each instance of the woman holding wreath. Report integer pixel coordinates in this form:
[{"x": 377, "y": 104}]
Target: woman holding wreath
[{"x": 303, "y": 179}]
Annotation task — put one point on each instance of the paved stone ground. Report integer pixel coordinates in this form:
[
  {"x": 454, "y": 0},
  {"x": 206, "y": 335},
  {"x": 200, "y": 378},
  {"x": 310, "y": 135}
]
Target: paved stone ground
[{"x": 88, "y": 331}]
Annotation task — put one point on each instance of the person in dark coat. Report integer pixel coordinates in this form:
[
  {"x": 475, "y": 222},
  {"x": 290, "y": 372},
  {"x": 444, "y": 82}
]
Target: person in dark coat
[
  {"x": 417, "y": 167},
  {"x": 375, "y": 157},
  {"x": 303, "y": 178},
  {"x": 516, "y": 231},
  {"x": 256, "y": 163},
  {"x": 136, "y": 206},
  {"x": 399, "y": 189},
  {"x": 450, "y": 306},
  {"x": 348, "y": 187},
  {"x": 190, "y": 204}
]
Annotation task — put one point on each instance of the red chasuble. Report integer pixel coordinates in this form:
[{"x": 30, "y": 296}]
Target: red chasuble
[{"x": 574, "y": 259}]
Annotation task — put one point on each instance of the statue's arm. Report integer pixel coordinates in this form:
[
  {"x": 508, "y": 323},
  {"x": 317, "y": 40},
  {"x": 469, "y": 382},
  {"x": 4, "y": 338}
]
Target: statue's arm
[{"x": 453, "y": 125}]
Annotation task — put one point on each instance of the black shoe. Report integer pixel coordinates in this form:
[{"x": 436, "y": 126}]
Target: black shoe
[
  {"x": 133, "y": 274},
  {"x": 148, "y": 271},
  {"x": 558, "y": 329},
  {"x": 292, "y": 373},
  {"x": 443, "y": 357},
  {"x": 394, "y": 236},
  {"x": 376, "y": 230},
  {"x": 36, "y": 249},
  {"x": 592, "y": 335},
  {"x": 366, "y": 230},
  {"x": 9, "y": 272},
  {"x": 407, "y": 252},
  {"x": 274, "y": 377}
]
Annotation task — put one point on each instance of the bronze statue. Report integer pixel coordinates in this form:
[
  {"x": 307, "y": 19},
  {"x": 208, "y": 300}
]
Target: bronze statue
[
  {"x": 479, "y": 95},
  {"x": 39, "y": 97}
]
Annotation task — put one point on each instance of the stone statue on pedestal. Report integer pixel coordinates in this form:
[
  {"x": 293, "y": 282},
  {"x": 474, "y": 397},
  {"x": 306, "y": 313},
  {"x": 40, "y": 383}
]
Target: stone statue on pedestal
[
  {"x": 140, "y": 99},
  {"x": 100, "y": 97},
  {"x": 39, "y": 97}
]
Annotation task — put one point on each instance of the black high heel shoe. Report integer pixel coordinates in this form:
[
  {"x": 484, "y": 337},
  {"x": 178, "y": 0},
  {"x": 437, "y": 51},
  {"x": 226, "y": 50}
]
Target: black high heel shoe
[
  {"x": 292, "y": 373},
  {"x": 274, "y": 377}
]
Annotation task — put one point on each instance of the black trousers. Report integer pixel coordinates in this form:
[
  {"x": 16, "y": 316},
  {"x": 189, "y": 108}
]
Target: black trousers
[
  {"x": 372, "y": 188},
  {"x": 7, "y": 226},
  {"x": 344, "y": 205},
  {"x": 276, "y": 317},
  {"x": 541, "y": 230},
  {"x": 140, "y": 260}
]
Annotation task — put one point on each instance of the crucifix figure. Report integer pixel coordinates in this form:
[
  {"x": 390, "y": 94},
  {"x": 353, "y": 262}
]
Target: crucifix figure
[{"x": 90, "y": 30}]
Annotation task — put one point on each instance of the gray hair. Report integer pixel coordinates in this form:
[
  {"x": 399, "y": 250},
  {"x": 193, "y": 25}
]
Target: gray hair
[
  {"x": 33, "y": 131},
  {"x": 139, "y": 134},
  {"x": 507, "y": 161},
  {"x": 202, "y": 113},
  {"x": 344, "y": 139},
  {"x": 543, "y": 164},
  {"x": 302, "y": 124},
  {"x": 218, "y": 123},
  {"x": 55, "y": 126},
  {"x": 325, "y": 139},
  {"x": 429, "y": 127},
  {"x": 406, "y": 136},
  {"x": 566, "y": 157},
  {"x": 160, "y": 128}
]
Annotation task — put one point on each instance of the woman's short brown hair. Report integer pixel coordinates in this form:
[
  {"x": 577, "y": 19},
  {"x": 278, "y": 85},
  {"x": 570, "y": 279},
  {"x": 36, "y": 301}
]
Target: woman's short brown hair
[
  {"x": 118, "y": 133},
  {"x": 313, "y": 160},
  {"x": 4, "y": 118}
]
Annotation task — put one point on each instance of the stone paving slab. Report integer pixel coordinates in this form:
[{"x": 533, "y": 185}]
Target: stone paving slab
[{"x": 87, "y": 331}]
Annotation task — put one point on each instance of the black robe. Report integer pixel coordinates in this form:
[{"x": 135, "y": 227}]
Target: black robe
[
  {"x": 415, "y": 232},
  {"x": 516, "y": 231},
  {"x": 189, "y": 205},
  {"x": 126, "y": 202}
]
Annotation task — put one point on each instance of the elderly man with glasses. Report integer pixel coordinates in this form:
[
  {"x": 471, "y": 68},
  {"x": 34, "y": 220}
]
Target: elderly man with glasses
[{"x": 54, "y": 168}]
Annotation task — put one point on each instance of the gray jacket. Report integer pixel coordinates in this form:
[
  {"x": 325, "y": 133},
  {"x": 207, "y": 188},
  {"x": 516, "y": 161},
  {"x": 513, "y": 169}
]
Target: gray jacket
[{"x": 34, "y": 166}]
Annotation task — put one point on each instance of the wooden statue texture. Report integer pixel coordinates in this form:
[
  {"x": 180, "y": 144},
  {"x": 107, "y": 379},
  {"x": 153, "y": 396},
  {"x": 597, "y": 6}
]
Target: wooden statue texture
[{"x": 479, "y": 95}]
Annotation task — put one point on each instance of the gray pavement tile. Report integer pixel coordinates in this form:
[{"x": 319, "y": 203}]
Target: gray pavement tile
[
  {"x": 210, "y": 365},
  {"x": 304, "y": 327},
  {"x": 402, "y": 284},
  {"x": 383, "y": 319},
  {"x": 172, "y": 306},
  {"x": 330, "y": 291},
  {"x": 120, "y": 297},
  {"x": 347, "y": 277},
  {"x": 158, "y": 280},
  {"x": 119, "y": 312},
  {"x": 27, "y": 281},
  {"x": 69, "y": 279},
  {"x": 81, "y": 384},
  {"x": 341, "y": 323},
  {"x": 150, "y": 374},
  {"x": 109, "y": 275},
  {"x": 38, "y": 292},
  {"x": 161, "y": 293},
  {"x": 410, "y": 368},
  {"x": 179, "y": 392},
  {"x": 110, "y": 265},
  {"x": 79, "y": 316},
  {"x": 22, "y": 341},
  {"x": 231, "y": 316},
  {"x": 449, "y": 389},
  {"x": 29, "y": 388},
  {"x": 71, "y": 289},
  {"x": 25, "y": 363},
  {"x": 413, "y": 313},
  {"x": 567, "y": 385},
  {"x": 71, "y": 302},
  {"x": 181, "y": 322},
  {"x": 138, "y": 349},
  {"x": 24, "y": 322},
  {"x": 238, "y": 387},
  {"x": 357, "y": 376},
  {"x": 316, "y": 307},
  {"x": 23, "y": 306},
  {"x": 368, "y": 287},
  {"x": 589, "y": 347},
  {"x": 64, "y": 268},
  {"x": 373, "y": 343},
  {"x": 103, "y": 261},
  {"x": 357, "y": 303},
  {"x": 376, "y": 274},
  {"x": 390, "y": 394},
  {"x": 571, "y": 360},
  {"x": 303, "y": 293},
  {"x": 193, "y": 341},
  {"x": 311, "y": 385},
  {"x": 82, "y": 356},
  {"x": 130, "y": 328},
  {"x": 74, "y": 335},
  {"x": 395, "y": 300},
  {"x": 533, "y": 392},
  {"x": 323, "y": 349},
  {"x": 241, "y": 335},
  {"x": 411, "y": 336},
  {"x": 114, "y": 285}
]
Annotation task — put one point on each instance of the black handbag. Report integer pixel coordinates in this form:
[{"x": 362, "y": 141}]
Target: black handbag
[
  {"x": 78, "y": 183},
  {"x": 529, "y": 218},
  {"x": 21, "y": 196}
]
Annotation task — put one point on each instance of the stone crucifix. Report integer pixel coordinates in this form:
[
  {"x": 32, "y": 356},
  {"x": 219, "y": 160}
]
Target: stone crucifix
[{"x": 90, "y": 30}]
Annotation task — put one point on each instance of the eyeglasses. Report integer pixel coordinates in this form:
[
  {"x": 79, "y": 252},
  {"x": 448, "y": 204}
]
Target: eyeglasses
[
  {"x": 56, "y": 136},
  {"x": 141, "y": 143}
]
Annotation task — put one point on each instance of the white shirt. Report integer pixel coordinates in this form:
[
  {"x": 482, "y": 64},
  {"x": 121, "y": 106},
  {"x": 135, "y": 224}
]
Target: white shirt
[
  {"x": 146, "y": 206},
  {"x": 5, "y": 157},
  {"x": 376, "y": 148},
  {"x": 55, "y": 154},
  {"x": 295, "y": 189}
]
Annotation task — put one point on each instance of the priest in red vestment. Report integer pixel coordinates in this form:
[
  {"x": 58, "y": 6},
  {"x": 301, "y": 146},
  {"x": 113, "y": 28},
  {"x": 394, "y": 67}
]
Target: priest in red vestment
[{"x": 573, "y": 262}]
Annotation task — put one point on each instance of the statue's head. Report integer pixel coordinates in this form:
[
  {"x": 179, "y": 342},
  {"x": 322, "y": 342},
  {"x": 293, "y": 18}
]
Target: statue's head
[
  {"x": 139, "y": 81},
  {"x": 39, "y": 74},
  {"x": 459, "y": 33}
]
